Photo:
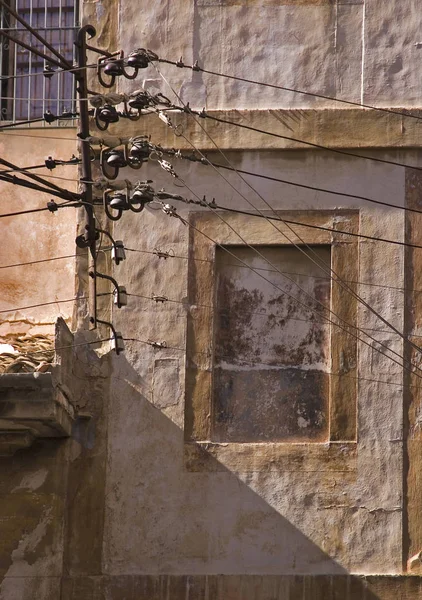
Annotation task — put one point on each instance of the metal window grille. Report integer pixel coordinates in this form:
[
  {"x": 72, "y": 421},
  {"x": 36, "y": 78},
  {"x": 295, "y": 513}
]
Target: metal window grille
[{"x": 29, "y": 96}]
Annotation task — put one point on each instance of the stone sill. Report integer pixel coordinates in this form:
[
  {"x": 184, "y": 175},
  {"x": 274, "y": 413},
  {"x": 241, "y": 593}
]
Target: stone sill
[{"x": 331, "y": 457}]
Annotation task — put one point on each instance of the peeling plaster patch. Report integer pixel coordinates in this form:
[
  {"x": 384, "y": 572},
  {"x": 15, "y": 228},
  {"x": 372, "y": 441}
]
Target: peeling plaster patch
[
  {"x": 32, "y": 481},
  {"x": 271, "y": 357},
  {"x": 166, "y": 388},
  {"x": 25, "y": 555}
]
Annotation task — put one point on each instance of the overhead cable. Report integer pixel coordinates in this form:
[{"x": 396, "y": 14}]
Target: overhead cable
[
  {"x": 207, "y": 162},
  {"x": 196, "y": 67},
  {"x": 320, "y": 264},
  {"x": 36, "y": 262},
  {"x": 206, "y": 115},
  {"x": 169, "y": 210},
  {"x": 157, "y": 253},
  {"x": 161, "y": 299},
  {"x": 165, "y": 346},
  {"x": 165, "y": 255},
  {"x": 216, "y": 206}
]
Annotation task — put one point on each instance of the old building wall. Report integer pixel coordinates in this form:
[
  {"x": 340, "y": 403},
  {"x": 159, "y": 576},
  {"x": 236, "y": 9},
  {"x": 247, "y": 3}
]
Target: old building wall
[
  {"x": 33, "y": 482},
  {"x": 259, "y": 514},
  {"x": 37, "y": 236},
  {"x": 360, "y": 51},
  {"x": 136, "y": 504}
]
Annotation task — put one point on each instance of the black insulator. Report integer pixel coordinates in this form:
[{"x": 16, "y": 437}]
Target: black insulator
[
  {"x": 138, "y": 60},
  {"x": 108, "y": 114},
  {"x": 48, "y": 71},
  {"x": 139, "y": 152},
  {"x": 116, "y": 158},
  {"x": 142, "y": 195},
  {"x": 140, "y": 101},
  {"x": 52, "y": 206},
  {"x": 50, "y": 163},
  {"x": 119, "y": 201},
  {"x": 114, "y": 67},
  {"x": 49, "y": 117}
]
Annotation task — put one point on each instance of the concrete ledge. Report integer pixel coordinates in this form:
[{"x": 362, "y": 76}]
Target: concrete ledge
[
  {"x": 334, "y": 128},
  {"x": 37, "y": 405}
]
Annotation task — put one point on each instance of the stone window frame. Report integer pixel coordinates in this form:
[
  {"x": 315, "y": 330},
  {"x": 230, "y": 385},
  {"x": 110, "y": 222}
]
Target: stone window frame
[{"x": 201, "y": 454}]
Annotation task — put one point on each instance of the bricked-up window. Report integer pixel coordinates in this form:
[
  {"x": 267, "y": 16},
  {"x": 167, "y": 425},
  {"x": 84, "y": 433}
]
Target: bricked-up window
[
  {"x": 29, "y": 97},
  {"x": 271, "y": 355},
  {"x": 269, "y": 391}
]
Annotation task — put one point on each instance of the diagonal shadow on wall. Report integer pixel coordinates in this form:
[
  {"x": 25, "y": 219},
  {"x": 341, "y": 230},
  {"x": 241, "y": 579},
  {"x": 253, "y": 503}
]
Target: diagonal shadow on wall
[{"x": 170, "y": 533}]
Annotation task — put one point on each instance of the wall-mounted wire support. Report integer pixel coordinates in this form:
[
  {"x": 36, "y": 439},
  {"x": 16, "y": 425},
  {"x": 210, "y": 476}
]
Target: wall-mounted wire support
[
  {"x": 83, "y": 133},
  {"x": 119, "y": 345},
  {"x": 119, "y": 290},
  {"x": 118, "y": 250}
]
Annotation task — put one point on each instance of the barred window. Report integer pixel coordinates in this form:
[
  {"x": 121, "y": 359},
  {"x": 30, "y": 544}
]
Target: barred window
[{"x": 25, "y": 95}]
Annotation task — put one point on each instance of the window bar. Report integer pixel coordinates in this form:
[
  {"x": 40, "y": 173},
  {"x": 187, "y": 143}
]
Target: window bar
[
  {"x": 44, "y": 79},
  {"x": 30, "y": 59},
  {"x": 15, "y": 66},
  {"x": 60, "y": 76},
  {"x": 21, "y": 96},
  {"x": 76, "y": 25},
  {"x": 2, "y": 60}
]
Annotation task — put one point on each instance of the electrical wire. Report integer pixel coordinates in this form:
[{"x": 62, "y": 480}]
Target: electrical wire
[
  {"x": 205, "y": 115},
  {"x": 364, "y": 283},
  {"x": 216, "y": 206},
  {"x": 41, "y": 137},
  {"x": 23, "y": 212},
  {"x": 64, "y": 195},
  {"x": 76, "y": 299},
  {"x": 159, "y": 299},
  {"x": 320, "y": 264},
  {"x": 33, "y": 353},
  {"x": 58, "y": 70},
  {"x": 11, "y": 310},
  {"x": 309, "y": 295},
  {"x": 36, "y": 210},
  {"x": 13, "y": 179},
  {"x": 154, "y": 253},
  {"x": 178, "y": 154},
  {"x": 32, "y": 121},
  {"x": 252, "y": 363},
  {"x": 311, "y": 309},
  {"x": 149, "y": 343},
  {"x": 36, "y": 262},
  {"x": 61, "y": 178},
  {"x": 23, "y": 170},
  {"x": 288, "y": 89},
  {"x": 60, "y": 163}
]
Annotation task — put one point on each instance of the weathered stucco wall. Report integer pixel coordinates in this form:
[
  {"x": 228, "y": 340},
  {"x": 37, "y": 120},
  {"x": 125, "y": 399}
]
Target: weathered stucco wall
[
  {"x": 37, "y": 236},
  {"x": 355, "y": 50},
  {"x": 268, "y": 518}
]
